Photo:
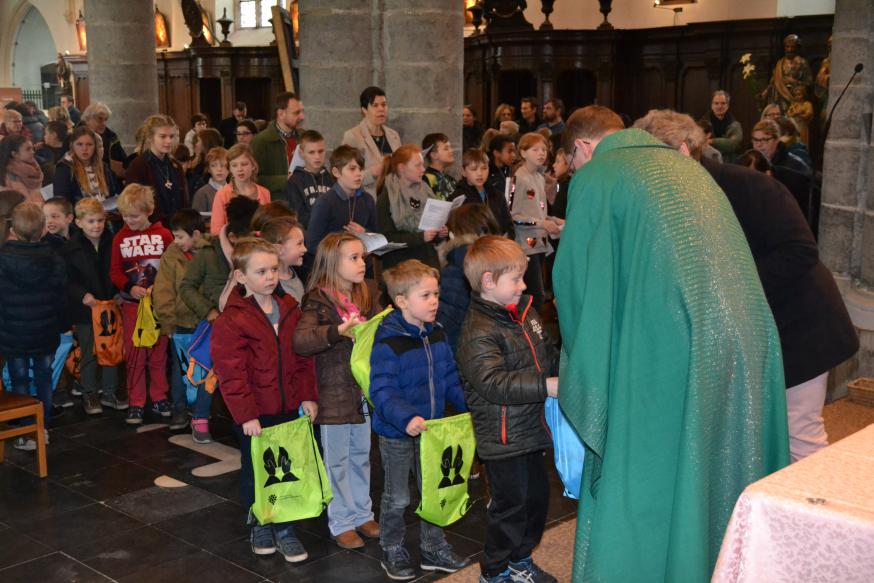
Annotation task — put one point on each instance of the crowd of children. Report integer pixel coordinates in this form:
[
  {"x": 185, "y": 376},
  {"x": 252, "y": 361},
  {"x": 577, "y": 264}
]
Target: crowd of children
[{"x": 283, "y": 283}]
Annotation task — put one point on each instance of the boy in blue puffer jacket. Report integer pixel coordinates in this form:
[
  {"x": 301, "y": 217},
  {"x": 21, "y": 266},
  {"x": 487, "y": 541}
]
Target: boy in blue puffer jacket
[{"x": 412, "y": 375}]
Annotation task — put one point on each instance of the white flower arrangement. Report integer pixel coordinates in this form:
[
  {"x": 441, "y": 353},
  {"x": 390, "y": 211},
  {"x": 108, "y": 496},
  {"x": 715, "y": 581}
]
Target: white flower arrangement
[{"x": 748, "y": 72}]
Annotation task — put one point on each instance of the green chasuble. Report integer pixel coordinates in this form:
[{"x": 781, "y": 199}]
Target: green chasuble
[{"x": 671, "y": 365}]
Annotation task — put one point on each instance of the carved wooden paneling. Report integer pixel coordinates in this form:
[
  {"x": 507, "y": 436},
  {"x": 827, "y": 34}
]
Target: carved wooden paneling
[{"x": 637, "y": 70}]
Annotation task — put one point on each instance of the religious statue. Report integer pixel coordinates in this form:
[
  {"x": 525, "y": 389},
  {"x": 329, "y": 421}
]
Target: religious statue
[
  {"x": 801, "y": 111},
  {"x": 791, "y": 70},
  {"x": 63, "y": 73},
  {"x": 197, "y": 22},
  {"x": 820, "y": 89}
]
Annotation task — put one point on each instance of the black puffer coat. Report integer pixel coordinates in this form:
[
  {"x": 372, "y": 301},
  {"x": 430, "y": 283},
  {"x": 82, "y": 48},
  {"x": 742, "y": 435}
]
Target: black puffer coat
[
  {"x": 87, "y": 272},
  {"x": 504, "y": 363},
  {"x": 33, "y": 299}
]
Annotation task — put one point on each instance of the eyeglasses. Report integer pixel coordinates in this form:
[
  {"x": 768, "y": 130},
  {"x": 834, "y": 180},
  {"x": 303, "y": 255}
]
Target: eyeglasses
[{"x": 763, "y": 140}]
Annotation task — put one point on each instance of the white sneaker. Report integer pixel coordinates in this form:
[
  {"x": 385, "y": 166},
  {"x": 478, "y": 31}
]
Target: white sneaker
[{"x": 28, "y": 443}]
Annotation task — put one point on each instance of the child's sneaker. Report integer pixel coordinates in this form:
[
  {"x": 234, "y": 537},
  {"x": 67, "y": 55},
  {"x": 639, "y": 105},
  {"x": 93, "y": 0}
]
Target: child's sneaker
[
  {"x": 200, "y": 431},
  {"x": 29, "y": 443},
  {"x": 179, "y": 419},
  {"x": 288, "y": 544},
  {"x": 76, "y": 391},
  {"x": 162, "y": 408},
  {"x": 91, "y": 404},
  {"x": 134, "y": 416},
  {"x": 443, "y": 559},
  {"x": 262, "y": 540},
  {"x": 397, "y": 564},
  {"x": 62, "y": 399},
  {"x": 112, "y": 401},
  {"x": 528, "y": 572},
  {"x": 500, "y": 578}
]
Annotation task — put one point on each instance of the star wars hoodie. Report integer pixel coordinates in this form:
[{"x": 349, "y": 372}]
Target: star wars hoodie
[{"x": 136, "y": 256}]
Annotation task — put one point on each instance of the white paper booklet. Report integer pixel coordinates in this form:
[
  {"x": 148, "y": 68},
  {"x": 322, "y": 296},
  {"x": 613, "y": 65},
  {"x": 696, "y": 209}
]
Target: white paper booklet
[
  {"x": 377, "y": 244},
  {"x": 436, "y": 213}
]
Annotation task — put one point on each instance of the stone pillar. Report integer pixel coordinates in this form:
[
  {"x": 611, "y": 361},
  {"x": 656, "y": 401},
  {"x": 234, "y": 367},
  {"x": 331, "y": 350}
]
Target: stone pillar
[
  {"x": 122, "y": 70},
  {"x": 846, "y": 228},
  {"x": 413, "y": 49}
]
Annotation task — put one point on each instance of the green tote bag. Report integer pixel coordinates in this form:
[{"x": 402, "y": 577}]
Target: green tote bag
[
  {"x": 290, "y": 478},
  {"x": 360, "y": 361},
  {"x": 446, "y": 454}
]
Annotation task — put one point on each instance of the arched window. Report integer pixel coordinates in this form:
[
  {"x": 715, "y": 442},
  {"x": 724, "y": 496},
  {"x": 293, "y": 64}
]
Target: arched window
[{"x": 256, "y": 13}]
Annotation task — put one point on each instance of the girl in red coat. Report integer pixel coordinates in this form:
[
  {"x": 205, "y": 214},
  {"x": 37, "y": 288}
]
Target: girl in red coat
[{"x": 262, "y": 380}]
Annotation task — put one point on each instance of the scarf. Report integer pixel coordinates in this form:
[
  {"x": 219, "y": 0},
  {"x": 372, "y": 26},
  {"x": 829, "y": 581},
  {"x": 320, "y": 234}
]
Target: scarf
[
  {"x": 91, "y": 178},
  {"x": 406, "y": 202},
  {"x": 346, "y": 308},
  {"x": 28, "y": 173},
  {"x": 720, "y": 126}
]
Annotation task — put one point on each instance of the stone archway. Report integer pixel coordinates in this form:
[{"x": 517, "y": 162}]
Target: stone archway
[
  {"x": 34, "y": 48},
  {"x": 11, "y": 16}
]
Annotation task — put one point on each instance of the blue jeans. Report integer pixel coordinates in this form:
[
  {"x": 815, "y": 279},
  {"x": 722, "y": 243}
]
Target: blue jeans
[
  {"x": 399, "y": 457},
  {"x": 19, "y": 369},
  {"x": 180, "y": 386},
  {"x": 347, "y": 461}
]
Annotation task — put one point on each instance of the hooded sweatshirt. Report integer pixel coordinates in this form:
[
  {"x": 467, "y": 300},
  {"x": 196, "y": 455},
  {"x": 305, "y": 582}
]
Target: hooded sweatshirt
[
  {"x": 304, "y": 188},
  {"x": 136, "y": 256}
]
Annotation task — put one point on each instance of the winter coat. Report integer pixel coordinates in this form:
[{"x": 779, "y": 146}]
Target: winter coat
[
  {"x": 316, "y": 335},
  {"x": 816, "y": 333},
  {"x": 494, "y": 200},
  {"x": 454, "y": 288},
  {"x": 142, "y": 171},
  {"x": 33, "y": 299},
  {"x": 170, "y": 309},
  {"x": 112, "y": 148},
  {"x": 272, "y": 157},
  {"x": 205, "y": 279},
  {"x": 359, "y": 137},
  {"x": 412, "y": 373},
  {"x": 87, "y": 272},
  {"x": 529, "y": 207},
  {"x": 303, "y": 189},
  {"x": 67, "y": 185},
  {"x": 258, "y": 370},
  {"x": 504, "y": 363}
]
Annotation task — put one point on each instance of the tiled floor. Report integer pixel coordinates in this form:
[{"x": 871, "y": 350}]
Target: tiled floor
[{"x": 99, "y": 516}]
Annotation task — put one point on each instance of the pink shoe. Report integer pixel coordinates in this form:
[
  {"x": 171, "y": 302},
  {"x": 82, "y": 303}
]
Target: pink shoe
[{"x": 200, "y": 431}]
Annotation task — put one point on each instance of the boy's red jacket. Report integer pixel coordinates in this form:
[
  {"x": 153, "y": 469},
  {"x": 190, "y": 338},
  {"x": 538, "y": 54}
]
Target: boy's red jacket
[
  {"x": 258, "y": 370},
  {"x": 136, "y": 256}
]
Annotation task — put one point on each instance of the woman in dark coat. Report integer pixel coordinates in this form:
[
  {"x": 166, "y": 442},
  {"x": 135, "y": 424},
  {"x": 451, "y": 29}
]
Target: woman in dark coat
[{"x": 816, "y": 333}]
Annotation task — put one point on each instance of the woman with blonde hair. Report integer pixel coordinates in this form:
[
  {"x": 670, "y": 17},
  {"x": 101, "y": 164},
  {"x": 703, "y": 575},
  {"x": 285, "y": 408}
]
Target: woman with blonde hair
[
  {"x": 156, "y": 167},
  {"x": 82, "y": 173}
]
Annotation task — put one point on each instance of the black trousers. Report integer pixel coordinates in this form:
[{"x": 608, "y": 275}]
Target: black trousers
[
  {"x": 534, "y": 279},
  {"x": 517, "y": 513}
]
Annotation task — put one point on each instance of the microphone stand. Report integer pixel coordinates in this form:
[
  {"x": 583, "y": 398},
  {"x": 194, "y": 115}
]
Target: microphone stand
[{"x": 828, "y": 120}]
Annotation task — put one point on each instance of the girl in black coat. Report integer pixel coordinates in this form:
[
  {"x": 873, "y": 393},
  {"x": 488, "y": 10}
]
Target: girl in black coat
[{"x": 82, "y": 172}]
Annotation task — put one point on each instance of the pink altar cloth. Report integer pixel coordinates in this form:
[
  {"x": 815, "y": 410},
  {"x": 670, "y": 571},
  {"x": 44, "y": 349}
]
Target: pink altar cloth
[{"x": 810, "y": 522}]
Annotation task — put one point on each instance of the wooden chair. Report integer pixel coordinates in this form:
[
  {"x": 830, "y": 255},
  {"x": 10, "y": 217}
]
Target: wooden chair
[{"x": 14, "y": 406}]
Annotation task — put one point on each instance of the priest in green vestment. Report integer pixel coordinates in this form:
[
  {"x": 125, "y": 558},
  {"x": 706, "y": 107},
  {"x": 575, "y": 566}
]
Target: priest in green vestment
[{"x": 671, "y": 365}]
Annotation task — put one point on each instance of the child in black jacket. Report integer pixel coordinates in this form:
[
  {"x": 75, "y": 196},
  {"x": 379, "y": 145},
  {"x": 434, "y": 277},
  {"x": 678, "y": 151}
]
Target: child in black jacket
[
  {"x": 32, "y": 306},
  {"x": 87, "y": 255},
  {"x": 508, "y": 365}
]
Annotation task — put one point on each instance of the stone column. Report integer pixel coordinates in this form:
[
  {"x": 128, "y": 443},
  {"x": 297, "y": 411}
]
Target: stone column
[
  {"x": 413, "y": 49},
  {"x": 122, "y": 70},
  {"x": 846, "y": 231}
]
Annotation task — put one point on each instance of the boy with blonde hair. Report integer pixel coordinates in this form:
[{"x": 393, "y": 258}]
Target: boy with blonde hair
[
  {"x": 88, "y": 254},
  {"x": 32, "y": 307},
  {"x": 412, "y": 375},
  {"x": 136, "y": 255},
  {"x": 508, "y": 364}
]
